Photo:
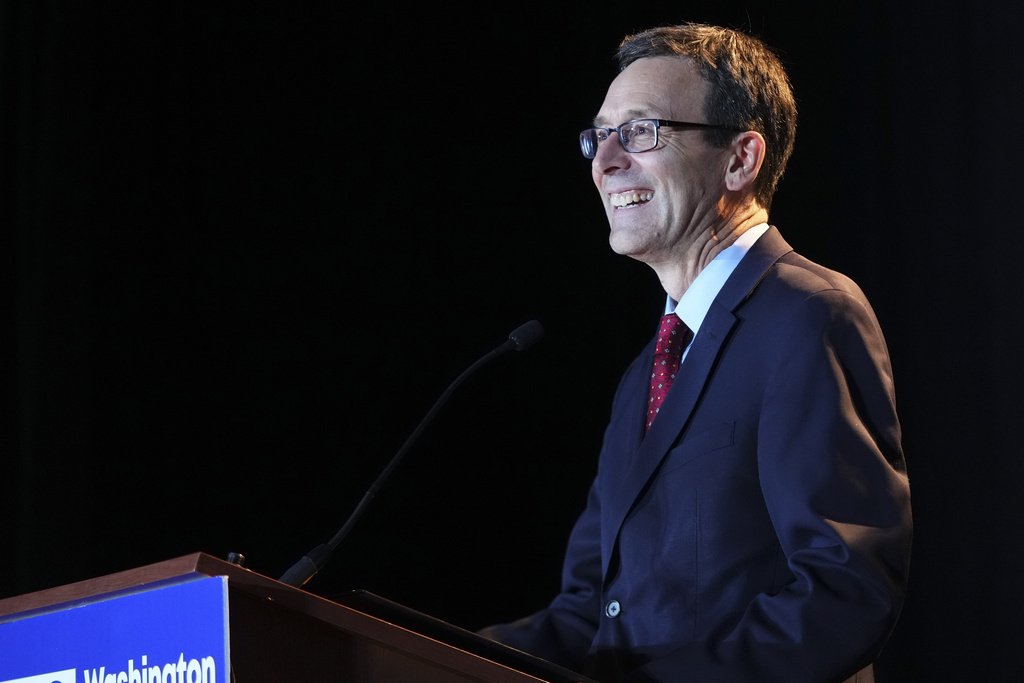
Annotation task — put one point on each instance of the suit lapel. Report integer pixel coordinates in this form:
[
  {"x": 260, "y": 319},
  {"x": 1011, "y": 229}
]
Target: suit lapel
[{"x": 694, "y": 375}]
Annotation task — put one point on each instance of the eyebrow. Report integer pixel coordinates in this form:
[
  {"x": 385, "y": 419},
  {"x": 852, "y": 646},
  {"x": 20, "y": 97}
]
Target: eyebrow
[{"x": 601, "y": 122}]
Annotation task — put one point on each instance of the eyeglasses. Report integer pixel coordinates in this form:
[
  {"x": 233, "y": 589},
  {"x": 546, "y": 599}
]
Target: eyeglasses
[{"x": 638, "y": 135}]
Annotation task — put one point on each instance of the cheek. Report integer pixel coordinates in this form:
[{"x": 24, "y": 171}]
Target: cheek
[{"x": 597, "y": 177}]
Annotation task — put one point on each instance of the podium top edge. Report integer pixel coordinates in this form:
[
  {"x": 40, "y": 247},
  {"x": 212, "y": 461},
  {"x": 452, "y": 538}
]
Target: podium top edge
[{"x": 131, "y": 578}]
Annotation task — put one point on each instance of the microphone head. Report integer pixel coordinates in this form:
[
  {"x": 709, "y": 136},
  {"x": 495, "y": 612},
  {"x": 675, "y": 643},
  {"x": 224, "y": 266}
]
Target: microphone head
[{"x": 526, "y": 335}]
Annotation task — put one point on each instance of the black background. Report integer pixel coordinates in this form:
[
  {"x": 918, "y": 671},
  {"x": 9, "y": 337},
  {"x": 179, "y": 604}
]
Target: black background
[{"x": 220, "y": 225}]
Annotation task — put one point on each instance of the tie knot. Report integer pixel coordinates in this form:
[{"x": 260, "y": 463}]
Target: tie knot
[{"x": 671, "y": 339}]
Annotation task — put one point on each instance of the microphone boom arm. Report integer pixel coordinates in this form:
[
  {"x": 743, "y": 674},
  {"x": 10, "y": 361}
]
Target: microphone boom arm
[{"x": 302, "y": 571}]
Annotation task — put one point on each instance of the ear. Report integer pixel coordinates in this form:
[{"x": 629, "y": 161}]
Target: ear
[{"x": 745, "y": 161}]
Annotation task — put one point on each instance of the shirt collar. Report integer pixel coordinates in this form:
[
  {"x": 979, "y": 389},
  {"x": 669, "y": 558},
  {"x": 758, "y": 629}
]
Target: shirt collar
[{"x": 697, "y": 299}]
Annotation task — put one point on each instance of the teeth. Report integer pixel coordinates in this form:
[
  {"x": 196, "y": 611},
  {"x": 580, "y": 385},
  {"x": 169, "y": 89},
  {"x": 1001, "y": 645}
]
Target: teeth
[{"x": 624, "y": 199}]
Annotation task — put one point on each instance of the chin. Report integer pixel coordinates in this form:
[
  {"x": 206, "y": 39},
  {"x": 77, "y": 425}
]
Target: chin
[{"x": 626, "y": 247}]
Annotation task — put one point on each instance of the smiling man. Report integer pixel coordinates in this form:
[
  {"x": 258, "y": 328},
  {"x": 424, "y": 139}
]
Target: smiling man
[{"x": 750, "y": 518}]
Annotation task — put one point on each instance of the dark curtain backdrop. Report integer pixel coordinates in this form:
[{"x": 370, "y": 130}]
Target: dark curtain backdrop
[{"x": 245, "y": 249}]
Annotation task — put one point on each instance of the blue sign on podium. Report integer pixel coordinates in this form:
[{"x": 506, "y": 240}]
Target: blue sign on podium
[{"x": 169, "y": 633}]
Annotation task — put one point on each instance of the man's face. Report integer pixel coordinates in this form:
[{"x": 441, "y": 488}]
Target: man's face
[{"x": 659, "y": 201}]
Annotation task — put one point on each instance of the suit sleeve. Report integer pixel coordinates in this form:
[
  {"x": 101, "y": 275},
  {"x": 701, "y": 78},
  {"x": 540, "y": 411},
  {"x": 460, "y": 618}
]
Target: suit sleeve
[
  {"x": 834, "y": 481},
  {"x": 562, "y": 632}
]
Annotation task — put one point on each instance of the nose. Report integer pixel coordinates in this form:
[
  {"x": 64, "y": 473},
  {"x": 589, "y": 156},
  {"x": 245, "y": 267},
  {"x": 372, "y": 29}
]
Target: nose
[{"x": 610, "y": 157}]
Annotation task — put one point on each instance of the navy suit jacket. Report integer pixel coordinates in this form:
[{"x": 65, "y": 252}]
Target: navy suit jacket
[{"x": 760, "y": 531}]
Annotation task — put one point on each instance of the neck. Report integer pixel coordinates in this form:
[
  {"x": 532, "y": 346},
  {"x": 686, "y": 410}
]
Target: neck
[{"x": 679, "y": 272}]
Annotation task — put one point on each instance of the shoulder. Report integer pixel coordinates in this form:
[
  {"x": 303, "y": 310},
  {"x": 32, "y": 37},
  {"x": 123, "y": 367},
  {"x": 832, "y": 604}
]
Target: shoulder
[
  {"x": 801, "y": 276},
  {"x": 795, "y": 285},
  {"x": 800, "y": 308},
  {"x": 773, "y": 273}
]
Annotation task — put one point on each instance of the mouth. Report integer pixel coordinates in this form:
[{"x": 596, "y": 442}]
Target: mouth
[{"x": 630, "y": 199}]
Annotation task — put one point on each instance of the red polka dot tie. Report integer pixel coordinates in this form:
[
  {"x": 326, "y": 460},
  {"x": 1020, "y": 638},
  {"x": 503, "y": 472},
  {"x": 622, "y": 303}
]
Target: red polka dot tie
[{"x": 673, "y": 338}]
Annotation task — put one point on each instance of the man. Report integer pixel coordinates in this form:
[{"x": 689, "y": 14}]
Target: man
[{"x": 756, "y": 526}]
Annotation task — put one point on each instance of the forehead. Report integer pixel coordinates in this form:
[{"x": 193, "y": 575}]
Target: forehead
[{"x": 655, "y": 87}]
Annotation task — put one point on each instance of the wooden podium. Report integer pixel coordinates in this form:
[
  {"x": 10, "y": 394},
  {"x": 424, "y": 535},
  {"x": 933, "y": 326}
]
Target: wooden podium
[{"x": 279, "y": 633}]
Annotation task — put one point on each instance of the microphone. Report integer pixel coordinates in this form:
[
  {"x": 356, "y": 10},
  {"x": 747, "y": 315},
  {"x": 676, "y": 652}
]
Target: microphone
[
  {"x": 526, "y": 335},
  {"x": 520, "y": 339}
]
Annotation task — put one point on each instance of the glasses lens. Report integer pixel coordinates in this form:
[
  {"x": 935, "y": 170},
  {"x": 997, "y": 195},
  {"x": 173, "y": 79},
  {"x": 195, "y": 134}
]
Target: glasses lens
[
  {"x": 639, "y": 136},
  {"x": 589, "y": 142}
]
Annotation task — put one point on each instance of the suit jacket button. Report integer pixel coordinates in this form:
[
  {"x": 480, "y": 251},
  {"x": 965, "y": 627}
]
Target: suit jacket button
[{"x": 613, "y": 608}]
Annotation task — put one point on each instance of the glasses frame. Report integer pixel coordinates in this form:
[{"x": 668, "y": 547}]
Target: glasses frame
[{"x": 658, "y": 123}]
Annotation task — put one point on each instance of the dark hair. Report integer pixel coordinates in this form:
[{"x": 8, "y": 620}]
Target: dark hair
[{"x": 748, "y": 89}]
